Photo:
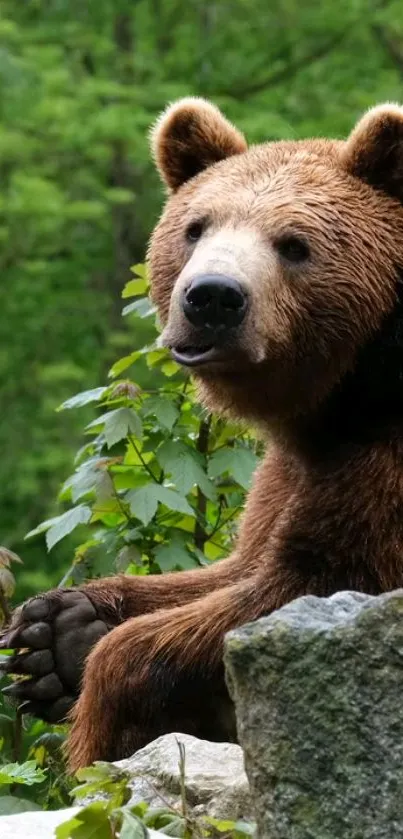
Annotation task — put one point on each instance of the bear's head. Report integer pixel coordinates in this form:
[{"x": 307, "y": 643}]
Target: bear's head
[{"x": 276, "y": 269}]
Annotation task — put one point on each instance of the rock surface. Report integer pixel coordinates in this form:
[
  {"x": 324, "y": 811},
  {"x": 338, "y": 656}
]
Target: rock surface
[
  {"x": 318, "y": 688},
  {"x": 216, "y": 785},
  {"x": 215, "y": 779},
  {"x": 39, "y": 825}
]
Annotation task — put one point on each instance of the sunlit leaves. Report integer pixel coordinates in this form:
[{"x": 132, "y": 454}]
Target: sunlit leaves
[
  {"x": 124, "y": 363},
  {"x": 157, "y": 471},
  {"x": 174, "y": 555},
  {"x": 143, "y": 502},
  {"x": 165, "y": 412},
  {"x": 92, "y": 822},
  {"x": 143, "y": 308},
  {"x": 21, "y": 773},
  {"x": 84, "y": 398},
  {"x": 238, "y": 462},
  {"x": 184, "y": 464},
  {"x": 60, "y": 526},
  {"x": 103, "y": 778},
  {"x": 118, "y": 424},
  {"x": 110, "y": 784}
]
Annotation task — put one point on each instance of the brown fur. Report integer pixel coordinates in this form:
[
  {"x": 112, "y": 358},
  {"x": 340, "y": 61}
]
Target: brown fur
[
  {"x": 326, "y": 509},
  {"x": 190, "y": 136},
  {"x": 317, "y": 364}
]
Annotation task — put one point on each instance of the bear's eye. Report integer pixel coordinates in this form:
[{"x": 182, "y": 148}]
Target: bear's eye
[
  {"x": 194, "y": 231},
  {"x": 292, "y": 248}
]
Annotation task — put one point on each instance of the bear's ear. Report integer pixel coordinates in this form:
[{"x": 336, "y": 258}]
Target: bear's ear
[
  {"x": 374, "y": 150},
  {"x": 189, "y": 136}
]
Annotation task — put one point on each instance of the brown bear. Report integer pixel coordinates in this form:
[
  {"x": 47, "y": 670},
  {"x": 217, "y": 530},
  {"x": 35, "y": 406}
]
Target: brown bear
[{"x": 277, "y": 272}]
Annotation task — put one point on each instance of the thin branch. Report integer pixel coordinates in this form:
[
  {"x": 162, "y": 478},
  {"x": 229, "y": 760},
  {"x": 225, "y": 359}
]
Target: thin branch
[
  {"x": 142, "y": 461},
  {"x": 200, "y": 534},
  {"x": 117, "y": 498},
  {"x": 220, "y": 524},
  {"x": 221, "y": 503}
]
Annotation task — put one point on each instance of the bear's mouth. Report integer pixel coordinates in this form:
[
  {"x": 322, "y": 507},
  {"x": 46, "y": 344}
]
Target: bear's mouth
[{"x": 190, "y": 355}]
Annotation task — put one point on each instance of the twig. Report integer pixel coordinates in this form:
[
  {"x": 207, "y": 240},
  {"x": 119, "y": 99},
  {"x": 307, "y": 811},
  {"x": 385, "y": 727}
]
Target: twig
[
  {"x": 119, "y": 501},
  {"x": 200, "y": 534},
  {"x": 140, "y": 457}
]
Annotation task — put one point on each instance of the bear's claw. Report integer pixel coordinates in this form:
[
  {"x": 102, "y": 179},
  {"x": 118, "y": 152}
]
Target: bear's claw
[{"x": 55, "y": 633}]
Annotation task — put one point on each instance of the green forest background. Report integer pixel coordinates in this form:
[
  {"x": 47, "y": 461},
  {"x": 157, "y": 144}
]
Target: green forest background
[{"x": 81, "y": 82}]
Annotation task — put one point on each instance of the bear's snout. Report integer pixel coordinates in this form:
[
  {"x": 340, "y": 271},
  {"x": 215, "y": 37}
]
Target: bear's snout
[{"x": 214, "y": 302}]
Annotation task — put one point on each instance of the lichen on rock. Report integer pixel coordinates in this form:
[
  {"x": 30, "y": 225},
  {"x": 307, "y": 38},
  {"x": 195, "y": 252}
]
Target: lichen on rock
[{"x": 318, "y": 689}]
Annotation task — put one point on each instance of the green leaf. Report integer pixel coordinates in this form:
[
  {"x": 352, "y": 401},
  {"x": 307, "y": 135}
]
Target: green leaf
[
  {"x": 143, "y": 308},
  {"x": 132, "y": 827},
  {"x": 83, "y": 398},
  {"x": 119, "y": 423},
  {"x": 129, "y": 555},
  {"x": 174, "y": 555},
  {"x": 135, "y": 287},
  {"x": 123, "y": 364},
  {"x": 90, "y": 823},
  {"x": 174, "y": 501},
  {"x": 99, "y": 772},
  {"x": 143, "y": 502},
  {"x": 82, "y": 481},
  {"x": 176, "y": 827},
  {"x": 66, "y": 523},
  {"x": 181, "y": 462},
  {"x": 44, "y": 525},
  {"x": 21, "y": 773},
  {"x": 163, "y": 409},
  {"x": 155, "y": 355},
  {"x": 169, "y": 368},
  {"x": 239, "y": 462},
  {"x": 65, "y": 830},
  {"x": 140, "y": 270}
]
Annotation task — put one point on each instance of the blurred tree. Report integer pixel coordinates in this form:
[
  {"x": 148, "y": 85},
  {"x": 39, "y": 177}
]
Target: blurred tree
[{"x": 80, "y": 85}]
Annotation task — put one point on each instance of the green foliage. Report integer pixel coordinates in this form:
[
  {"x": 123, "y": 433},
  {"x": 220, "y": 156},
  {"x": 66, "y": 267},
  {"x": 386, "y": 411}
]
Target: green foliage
[
  {"x": 32, "y": 774},
  {"x": 159, "y": 482},
  {"x": 112, "y": 816},
  {"x": 21, "y": 773},
  {"x": 81, "y": 83},
  {"x": 157, "y": 485}
]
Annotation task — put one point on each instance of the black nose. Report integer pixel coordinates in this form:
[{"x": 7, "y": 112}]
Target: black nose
[{"x": 214, "y": 301}]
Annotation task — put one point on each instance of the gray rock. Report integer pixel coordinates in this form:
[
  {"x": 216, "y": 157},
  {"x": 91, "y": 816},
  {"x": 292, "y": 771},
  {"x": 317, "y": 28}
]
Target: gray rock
[
  {"x": 318, "y": 689},
  {"x": 215, "y": 784},
  {"x": 41, "y": 825},
  {"x": 215, "y": 779}
]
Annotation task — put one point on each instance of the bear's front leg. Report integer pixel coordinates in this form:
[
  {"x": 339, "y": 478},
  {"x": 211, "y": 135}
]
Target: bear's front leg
[
  {"x": 57, "y": 630},
  {"x": 160, "y": 673}
]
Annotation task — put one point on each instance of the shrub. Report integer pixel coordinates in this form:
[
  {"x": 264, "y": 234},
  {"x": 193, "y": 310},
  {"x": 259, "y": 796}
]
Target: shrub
[{"x": 157, "y": 486}]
